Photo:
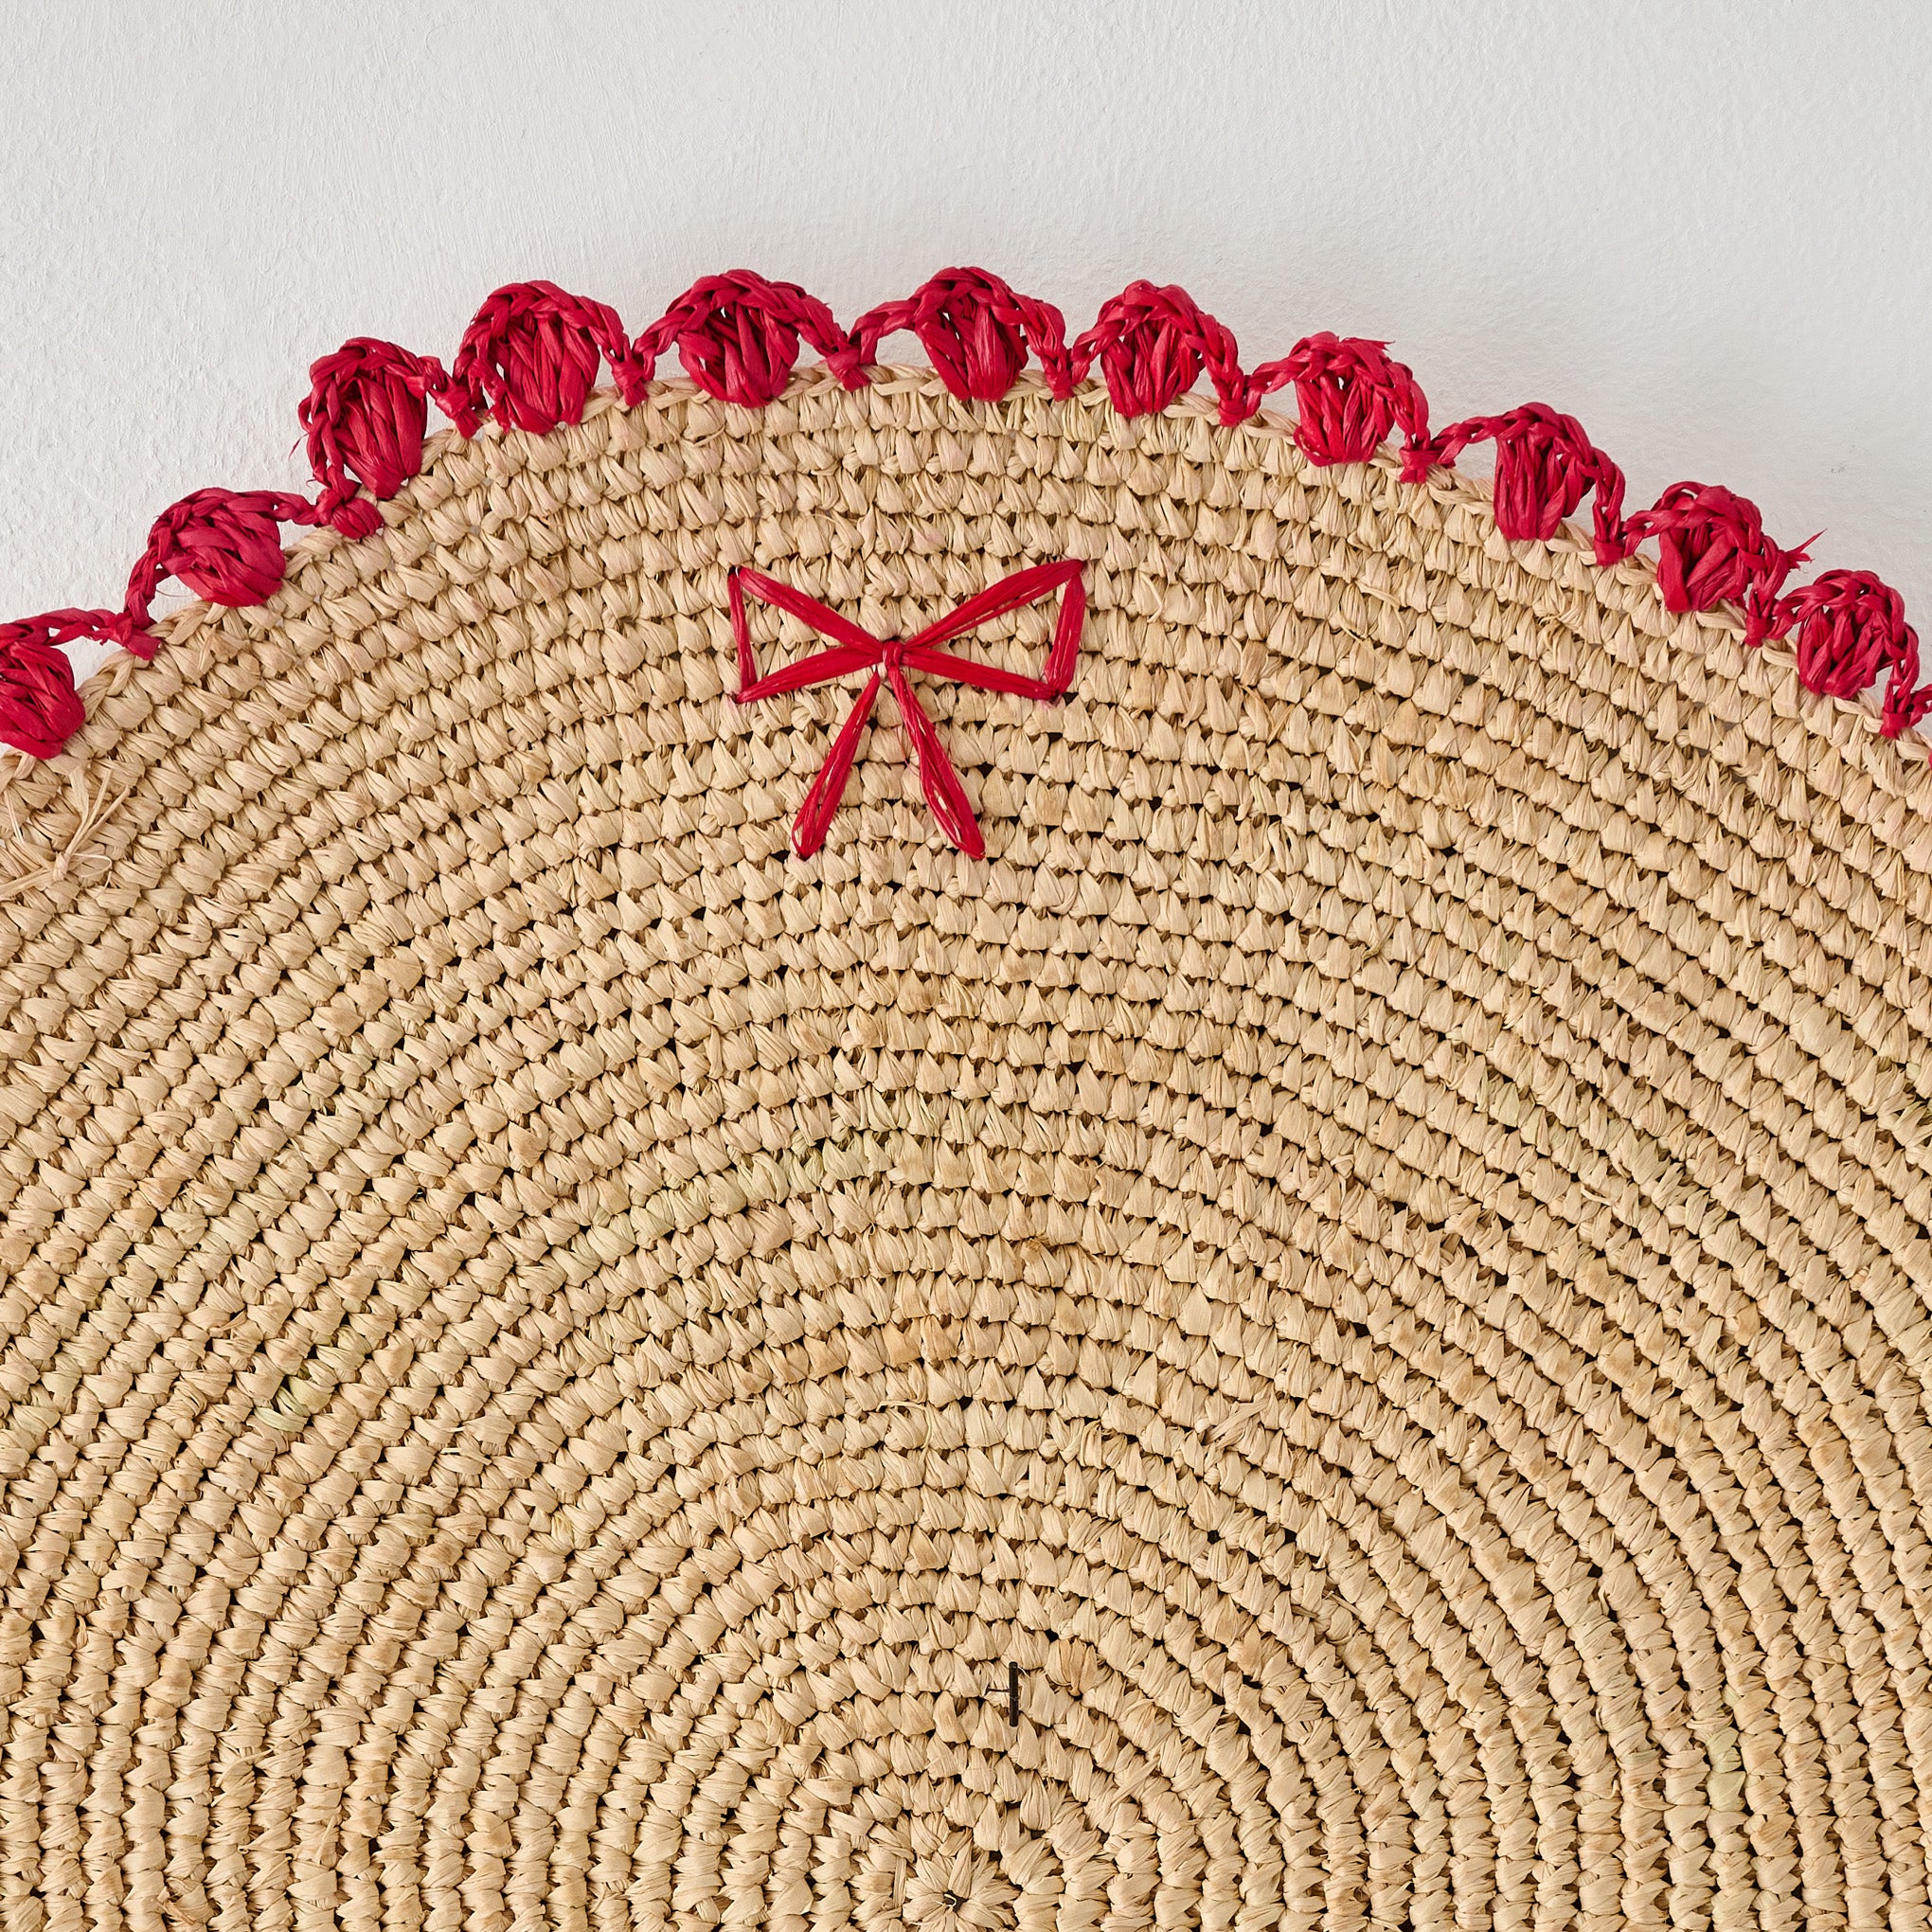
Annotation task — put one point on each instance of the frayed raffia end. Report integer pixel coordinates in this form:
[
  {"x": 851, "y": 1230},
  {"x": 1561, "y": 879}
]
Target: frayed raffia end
[
  {"x": 63, "y": 839},
  {"x": 54, "y": 813}
]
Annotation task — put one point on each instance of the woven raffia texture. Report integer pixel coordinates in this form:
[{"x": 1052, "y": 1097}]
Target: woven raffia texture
[{"x": 1336, "y": 1332}]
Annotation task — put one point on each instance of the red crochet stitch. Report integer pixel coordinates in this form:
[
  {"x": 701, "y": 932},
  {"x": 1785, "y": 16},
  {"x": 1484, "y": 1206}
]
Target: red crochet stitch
[
  {"x": 1546, "y": 465},
  {"x": 39, "y": 708},
  {"x": 532, "y": 356},
  {"x": 1350, "y": 394},
  {"x": 364, "y": 415},
  {"x": 1712, "y": 549},
  {"x": 1153, "y": 344},
  {"x": 1848, "y": 630},
  {"x": 737, "y": 336},
  {"x": 975, "y": 331},
  {"x": 223, "y": 545}
]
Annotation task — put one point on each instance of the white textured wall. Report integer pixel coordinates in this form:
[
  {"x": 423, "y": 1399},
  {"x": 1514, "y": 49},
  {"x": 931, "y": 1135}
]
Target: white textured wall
[{"x": 1702, "y": 227}]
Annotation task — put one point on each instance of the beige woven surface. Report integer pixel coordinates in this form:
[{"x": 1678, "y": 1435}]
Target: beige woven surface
[{"x": 556, "y": 1358}]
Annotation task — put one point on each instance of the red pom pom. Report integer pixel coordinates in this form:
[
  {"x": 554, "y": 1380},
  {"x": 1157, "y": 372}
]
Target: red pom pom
[
  {"x": 1712, "y": 549},
  {"x": 223, "y": 545},
  {"x": 364, "y": 415},
  {"x": 976, "y": 331},
  {"x": 737, "y": 336},
  {"x": 530, "y": 356},
  {"x": 39, "y": 709},
  {"x": 1349, "y": 394},
  {"x": 1546, "y": 465},
  {"x": 1153, "y": 343},
  {"x": 1847, "y": 628}
]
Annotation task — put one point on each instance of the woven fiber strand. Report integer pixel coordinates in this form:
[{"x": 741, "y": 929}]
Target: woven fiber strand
[{"x": 1335, "y": 1335}]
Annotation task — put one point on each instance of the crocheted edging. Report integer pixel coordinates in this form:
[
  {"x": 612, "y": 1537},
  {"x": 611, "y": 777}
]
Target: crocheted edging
[{"x": 530, "y": 360}]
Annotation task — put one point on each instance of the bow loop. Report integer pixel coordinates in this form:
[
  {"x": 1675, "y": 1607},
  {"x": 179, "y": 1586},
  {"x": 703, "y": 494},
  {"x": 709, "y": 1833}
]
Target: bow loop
[{"x": 889, "y": 661}]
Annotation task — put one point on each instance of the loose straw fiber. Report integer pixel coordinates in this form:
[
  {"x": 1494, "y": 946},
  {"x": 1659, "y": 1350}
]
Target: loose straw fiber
[{"x": 1334, "y": 1334}]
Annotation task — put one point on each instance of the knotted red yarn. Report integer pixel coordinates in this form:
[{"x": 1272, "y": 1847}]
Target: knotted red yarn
[
  {"x": 977, "y": 332},
  {"x": 1546, "y": 465},
  {"x": 530, "y": 356},
  {"x": 1153, "y": 344},
  {"x": 39, "y": 708},
  {"x": 737, "y": 336},
  {"x": 1712, "y": 549},
  {"x": 1348, "y": 393},
  {"x": 889, "y": 661},
  {"x": 1847, "y": 628},
  {"x": 365, "y": 417}
]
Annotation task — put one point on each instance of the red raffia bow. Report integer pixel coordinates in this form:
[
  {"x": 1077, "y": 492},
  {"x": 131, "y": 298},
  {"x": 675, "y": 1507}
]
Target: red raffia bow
[{"x": 855, "y": 650}]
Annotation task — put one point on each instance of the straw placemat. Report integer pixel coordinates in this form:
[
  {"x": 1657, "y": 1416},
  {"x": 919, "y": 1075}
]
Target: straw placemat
[{"x": 1333, "y": 1331}]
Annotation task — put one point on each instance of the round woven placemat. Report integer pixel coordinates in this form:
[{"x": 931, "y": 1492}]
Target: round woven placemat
[{"x": 1334, "y": 1334}]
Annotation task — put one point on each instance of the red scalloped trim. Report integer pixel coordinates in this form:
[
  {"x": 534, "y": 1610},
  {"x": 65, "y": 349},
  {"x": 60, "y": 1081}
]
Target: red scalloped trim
[{"x": 530, "y": 359}]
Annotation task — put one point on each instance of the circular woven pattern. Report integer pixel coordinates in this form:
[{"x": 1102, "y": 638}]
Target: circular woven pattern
[{"x": 1336, "y": 1334}]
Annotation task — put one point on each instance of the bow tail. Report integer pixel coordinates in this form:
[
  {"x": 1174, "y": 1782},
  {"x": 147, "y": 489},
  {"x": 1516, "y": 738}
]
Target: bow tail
[
  {"x": 815, "y": 815},
  {"x": 937, "y": 778}
]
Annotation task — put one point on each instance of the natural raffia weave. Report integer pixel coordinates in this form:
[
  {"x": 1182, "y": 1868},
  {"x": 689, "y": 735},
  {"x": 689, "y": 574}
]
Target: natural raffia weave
[{"x": 1334, "y": 1334}]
